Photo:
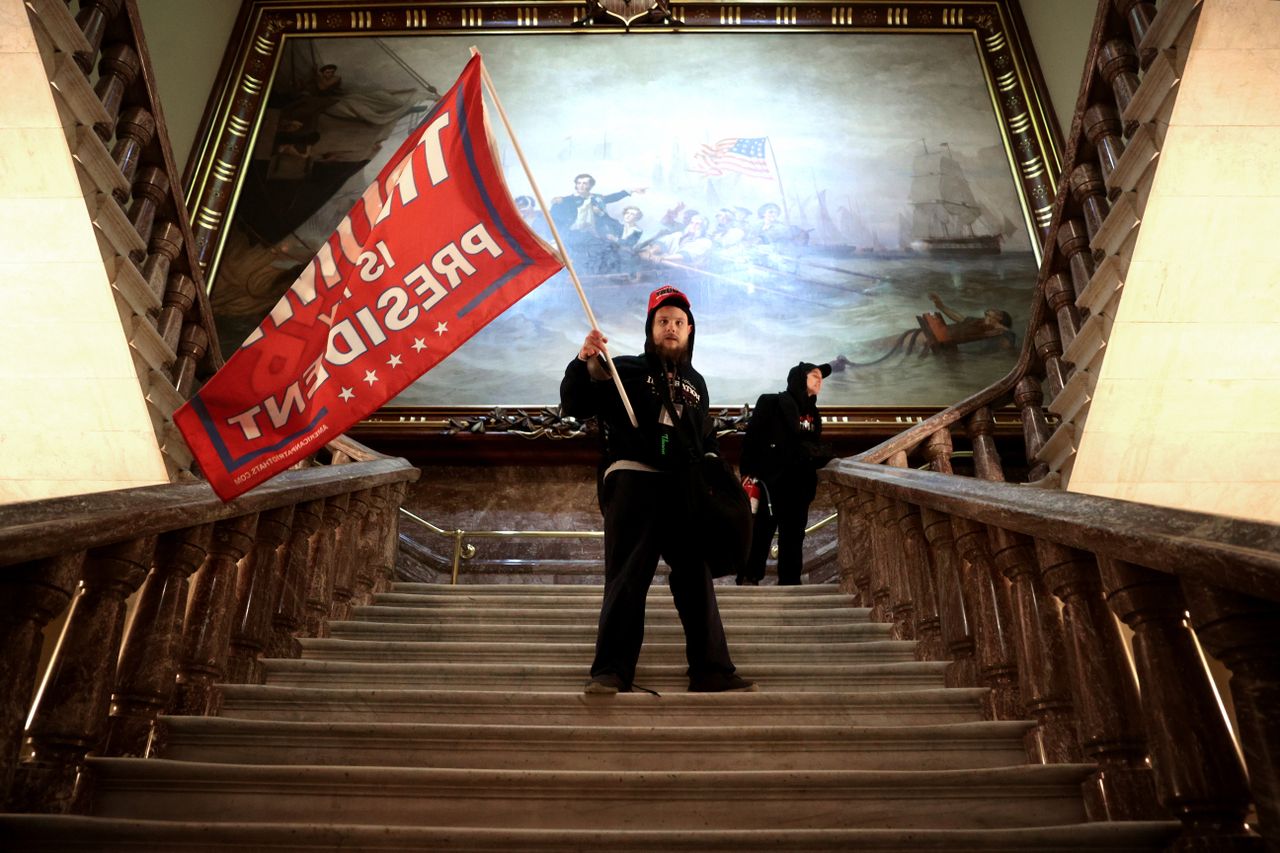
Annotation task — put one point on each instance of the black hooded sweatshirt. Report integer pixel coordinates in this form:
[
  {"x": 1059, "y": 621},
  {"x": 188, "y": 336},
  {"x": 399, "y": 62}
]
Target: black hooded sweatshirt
[
  {"x": 783, "y": 445},
  {"x": 654, "y": 443}
]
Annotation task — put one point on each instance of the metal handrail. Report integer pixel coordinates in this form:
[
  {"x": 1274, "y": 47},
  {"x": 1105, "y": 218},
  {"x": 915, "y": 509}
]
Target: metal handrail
[
  {"x": 463, "y": 550},
  {"x": 817, "y": 525}
]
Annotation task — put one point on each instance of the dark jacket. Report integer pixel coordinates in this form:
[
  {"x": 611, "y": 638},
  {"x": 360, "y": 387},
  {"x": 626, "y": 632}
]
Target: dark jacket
[
  {"x": 583, "y": 397},
  {"x": 783, "y": 444}
]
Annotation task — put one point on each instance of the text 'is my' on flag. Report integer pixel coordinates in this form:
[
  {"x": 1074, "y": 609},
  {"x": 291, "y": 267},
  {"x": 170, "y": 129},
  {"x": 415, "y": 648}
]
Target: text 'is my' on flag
[{"x": 433, "y": 251}]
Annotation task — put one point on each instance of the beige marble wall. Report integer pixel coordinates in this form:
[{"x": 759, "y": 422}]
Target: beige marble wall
[
  {"x": 74, "y": 419},
  {"x": 1188, "y": 401}
]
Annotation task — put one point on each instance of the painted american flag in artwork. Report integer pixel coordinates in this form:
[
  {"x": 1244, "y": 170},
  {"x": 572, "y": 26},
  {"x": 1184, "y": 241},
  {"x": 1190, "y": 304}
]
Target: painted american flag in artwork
[{"x": 739, "y": 155}]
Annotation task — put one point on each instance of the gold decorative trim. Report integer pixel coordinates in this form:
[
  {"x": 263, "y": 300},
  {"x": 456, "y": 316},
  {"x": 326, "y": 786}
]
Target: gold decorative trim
[
  {"x": 304, "y": 21},
  {"x": 731, "y": 15},
  {"x": 238, "y": 126},
  {"x": 361, "y": 20},
  {"x": 264, "y": 45},
  {"x": 898, "y": 16},
  {"x": 472, "y": 17},
  {"x": 1020, "y": 123},
  {"x": 1044, "y": 215},
  {"x": 208, "y": 217},
  {"x": 786, "y": 16},
  {"x": 1007, "y": 82},
  {"x": 841, "y": 16},
  {"x": 953, "y": 17},
  {"x": 224, "y": 171},
  {"x": 995, "y": 42},
  {"x": 1032, "y": 168},
  {"x": 527, "y": 17},
  {"x": 252, "y": 85}
]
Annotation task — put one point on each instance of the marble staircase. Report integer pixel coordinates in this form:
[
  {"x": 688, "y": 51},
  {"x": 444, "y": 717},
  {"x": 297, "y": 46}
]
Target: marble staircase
[{"x": 452, "y": 718}]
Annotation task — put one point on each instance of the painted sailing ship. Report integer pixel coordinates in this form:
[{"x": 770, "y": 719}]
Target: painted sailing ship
[{"x": 945, "y": 218}]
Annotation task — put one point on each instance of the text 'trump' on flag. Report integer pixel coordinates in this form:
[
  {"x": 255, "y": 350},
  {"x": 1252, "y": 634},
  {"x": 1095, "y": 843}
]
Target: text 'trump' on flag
[{"x": 433, "y": 251}]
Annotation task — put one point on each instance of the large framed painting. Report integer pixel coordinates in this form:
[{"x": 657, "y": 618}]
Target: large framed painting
[{"x": 859, "y": 183}]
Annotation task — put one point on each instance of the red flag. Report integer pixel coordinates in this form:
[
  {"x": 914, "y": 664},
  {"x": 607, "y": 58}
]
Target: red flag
[{"x": 433, "y": 251}]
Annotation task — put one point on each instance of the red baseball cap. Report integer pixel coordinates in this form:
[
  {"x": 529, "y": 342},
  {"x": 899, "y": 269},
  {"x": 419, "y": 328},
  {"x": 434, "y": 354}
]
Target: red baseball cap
[{"x": 668, "y": 294}]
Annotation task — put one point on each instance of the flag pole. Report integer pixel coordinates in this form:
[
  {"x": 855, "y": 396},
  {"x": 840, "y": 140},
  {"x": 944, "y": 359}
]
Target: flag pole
[{"x": 555, "y": 232}]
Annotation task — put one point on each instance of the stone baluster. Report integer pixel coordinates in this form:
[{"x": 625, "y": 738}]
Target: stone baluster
[
  {"x": 290, "y": 604},
  {"x": 1102, "y": 128},
  {"x": 149, "y": 193},
  {"x": 320, "y": 589},
  {"x": 987, "y": 592},
  {"x": 191, "y": 348},
  {"x": 919, "y": 570},
  {"x": 72, "y": 717},
  {"x": 135, "y": 131},
  {"x": 1139, "y": 14},
  {"x": 899, "y": 608},
  {"x": 255, "y": 598},
  {"x": 145, "y": 678},
  {"x": 1103, "y": 691},
  {"x": 957, "y": 634},
  {"x": 166, "y": 243},
  {"x": 1243, "y": 633},
  {"x": 986, "y": 460},
  {"x": 348, "y": 555},
  {"x": 938, "y": 451},
  {"x": 1029, "y": 399},
  {"x": 1073, "y": 242},
  {"x": 1049, "y": 350},
  {"x": 117, "y": 70},
  {"x": 368, "y": 566},
  {"x": 207, "y": 631},
  {"x": 391, "y": 543},
  {"x": 1090, "y": 193},
  {"x": 1062, "y": 302},
  {"x": 1198, "y": 775},
  {"x": 93, "y": 18},
  {"x": 1044, "y": 681},
  {"x": 1118, "y": 65},
  {"x": 178, "y": 301},
  {"x": 899, "y": 573},
  {"x": 30, "y": 595},
  {"x": 865, "y": 574}
]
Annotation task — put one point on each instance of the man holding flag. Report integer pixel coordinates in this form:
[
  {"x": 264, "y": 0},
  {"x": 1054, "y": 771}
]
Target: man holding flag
[{"x": 433, "y": 251}]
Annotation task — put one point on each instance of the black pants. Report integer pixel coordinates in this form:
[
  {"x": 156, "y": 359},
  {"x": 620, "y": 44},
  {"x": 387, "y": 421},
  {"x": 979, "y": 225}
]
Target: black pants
[
  {"x": 789, "y": 517},
  {"x": 640, "y": 527}
]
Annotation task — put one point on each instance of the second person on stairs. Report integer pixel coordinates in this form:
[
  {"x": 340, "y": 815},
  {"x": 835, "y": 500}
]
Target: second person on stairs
[{"x": 637, "y": 486}]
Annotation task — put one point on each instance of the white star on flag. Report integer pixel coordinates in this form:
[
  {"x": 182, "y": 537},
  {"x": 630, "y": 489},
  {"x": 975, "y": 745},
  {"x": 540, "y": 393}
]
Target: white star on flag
[
  {"x": 394, "y": 361},
  {"x": 346, "y": 394},
  {"x": 370, "y": 376},
  {"x": 419, "y": 344},
  {"x": 441, "y": 328}
]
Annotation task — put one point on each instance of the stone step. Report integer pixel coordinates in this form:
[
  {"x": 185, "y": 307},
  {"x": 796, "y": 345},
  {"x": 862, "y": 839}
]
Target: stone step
[
  {"x": 152, "y": 789},
  {"x": 744, "y": 654},
  {"x": 856, "y": 708},
  {"x": 570, "y": 678},
  {"x": 585, "y": 632},
  {"x": 29, "y": 833},
  {"x": 481, "y": 598},
  {"x": 954, "y": 746},
  {"x": 724, "y": 589},
  {"x": 790, "y": 615}
]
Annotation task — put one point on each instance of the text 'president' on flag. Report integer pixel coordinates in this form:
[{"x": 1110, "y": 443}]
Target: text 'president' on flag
[
  {"x": 738, "y": 155},
  {"x": 433, "y": 251}
]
